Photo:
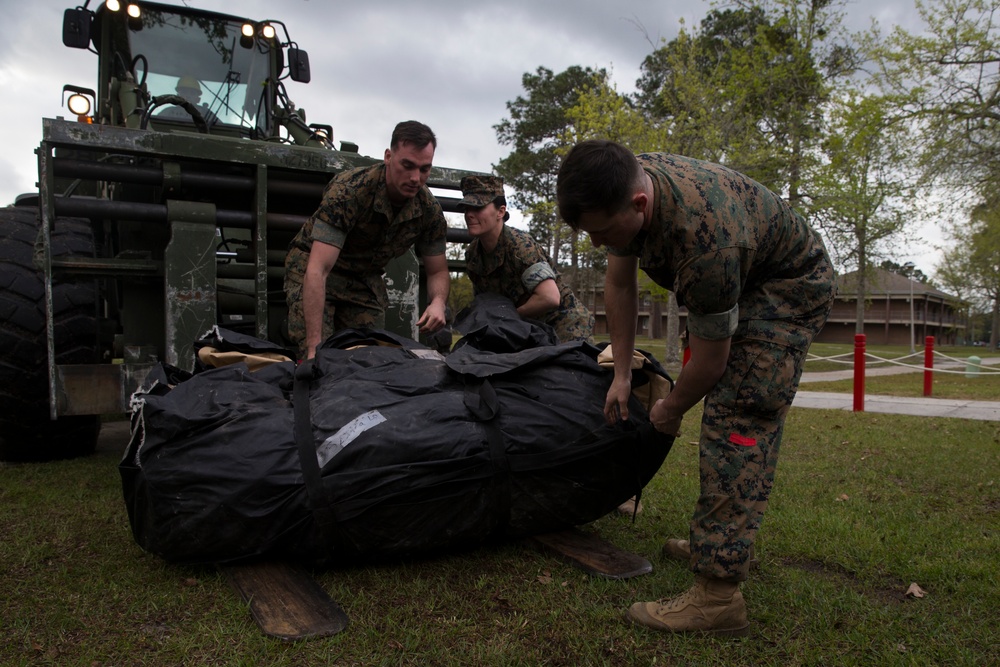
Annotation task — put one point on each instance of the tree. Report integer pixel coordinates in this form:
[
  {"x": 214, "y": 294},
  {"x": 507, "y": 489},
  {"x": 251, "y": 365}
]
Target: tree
[
  {"x": 974, "y": 260},
  {"x": 805, "y": 53},
  {"x": 948, "y": 82},
  {"x": 535, "y": 130},
  {"x": 954, "y": 274},
  {"x": 862, "y": 196},
  {"x": 600, "y": 112},
  {"x": 676, "y": 91},
  {"x": 747, "y": 88}
]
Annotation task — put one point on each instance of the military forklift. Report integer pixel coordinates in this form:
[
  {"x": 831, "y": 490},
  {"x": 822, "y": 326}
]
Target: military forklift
[{"x": 165, "y": 206}]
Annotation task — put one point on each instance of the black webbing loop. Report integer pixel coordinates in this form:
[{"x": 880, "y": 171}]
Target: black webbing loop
[
  {"x": 482, "y": 401},
  {"x": 305, "y": 373}
]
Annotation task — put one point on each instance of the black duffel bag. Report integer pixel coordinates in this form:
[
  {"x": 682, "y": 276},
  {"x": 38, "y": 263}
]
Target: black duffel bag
[{"x": 381, "y": 448}]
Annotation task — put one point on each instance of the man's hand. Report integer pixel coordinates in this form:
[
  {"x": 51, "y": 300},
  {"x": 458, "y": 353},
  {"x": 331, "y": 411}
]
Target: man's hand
[
  {"x": 433, "y": 318},
  {"x": 438, "y": 285},
  {"x": 663, "y": 421},
  {"x": 616, "y": 404}
]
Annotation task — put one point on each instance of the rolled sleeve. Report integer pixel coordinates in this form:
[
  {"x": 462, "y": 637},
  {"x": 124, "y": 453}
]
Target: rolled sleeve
[
  {"x": 325, "y": 233},
  {"x": 536, "y": 274},
  {"x": 714, "y": 326}
]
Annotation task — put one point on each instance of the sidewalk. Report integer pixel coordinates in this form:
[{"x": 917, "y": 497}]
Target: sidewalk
[
  {"x": 920, "y": 407},
  {"x": 898, "y": 405}
]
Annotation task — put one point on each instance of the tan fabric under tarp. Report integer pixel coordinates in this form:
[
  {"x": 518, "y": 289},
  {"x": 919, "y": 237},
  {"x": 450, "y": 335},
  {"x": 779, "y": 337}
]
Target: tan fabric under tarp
[
  {"x": 210, "y": 356},
  {"x": 648, "y": 394}
]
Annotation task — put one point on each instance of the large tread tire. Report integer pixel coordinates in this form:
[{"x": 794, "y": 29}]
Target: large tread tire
[{"x": 26, "y": 431}]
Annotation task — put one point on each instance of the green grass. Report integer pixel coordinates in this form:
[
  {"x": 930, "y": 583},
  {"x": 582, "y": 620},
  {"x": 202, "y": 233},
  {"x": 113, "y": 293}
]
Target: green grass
[
  {"x": 984, "y": 387},
  {"x": 864, "y": 505}
]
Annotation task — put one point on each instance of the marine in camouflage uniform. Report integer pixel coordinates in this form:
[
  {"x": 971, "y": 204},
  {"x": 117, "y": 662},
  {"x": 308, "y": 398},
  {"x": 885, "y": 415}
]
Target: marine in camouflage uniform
[
  {"x": 515, "y": 265},
  {"x": 515, "y": 268},
  {"x": 357, "y": 216},
  {"x": 749, "y": 269}
]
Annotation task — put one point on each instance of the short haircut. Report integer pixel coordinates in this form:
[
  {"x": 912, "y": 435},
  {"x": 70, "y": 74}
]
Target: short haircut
[
  {"x": 597, "y": 175},
  {"x": 412, "y": 132}
]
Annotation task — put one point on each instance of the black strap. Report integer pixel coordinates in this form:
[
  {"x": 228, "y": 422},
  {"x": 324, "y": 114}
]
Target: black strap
[
  {"x": 482, "y": 401},
  {"x": 305, "y": 374},
  {"x": 649, "y": 437}
]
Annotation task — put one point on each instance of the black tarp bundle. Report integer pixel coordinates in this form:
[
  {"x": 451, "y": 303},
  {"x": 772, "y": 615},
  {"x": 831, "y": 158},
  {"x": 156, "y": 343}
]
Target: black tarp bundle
[{"x": 382, "y": 450}]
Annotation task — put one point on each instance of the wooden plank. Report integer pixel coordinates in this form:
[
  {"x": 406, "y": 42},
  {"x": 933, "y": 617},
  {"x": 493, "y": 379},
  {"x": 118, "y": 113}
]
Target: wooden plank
[
  {"x": 593, "y": 554},
  {"x": 285, "y": 601}
]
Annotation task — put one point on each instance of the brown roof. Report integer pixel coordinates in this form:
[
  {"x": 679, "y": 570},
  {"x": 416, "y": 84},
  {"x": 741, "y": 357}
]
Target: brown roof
[{"x": 884, "y": 283}]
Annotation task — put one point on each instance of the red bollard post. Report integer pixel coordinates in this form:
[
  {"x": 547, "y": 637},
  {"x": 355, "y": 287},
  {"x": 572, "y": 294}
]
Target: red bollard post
[
  {"x": 859, "y": 372},
  {"x": 928, "y": 365}
]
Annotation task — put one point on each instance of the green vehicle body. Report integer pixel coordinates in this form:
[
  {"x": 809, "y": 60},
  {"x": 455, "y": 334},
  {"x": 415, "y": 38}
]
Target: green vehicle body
[{"x": 191, "y": 216}]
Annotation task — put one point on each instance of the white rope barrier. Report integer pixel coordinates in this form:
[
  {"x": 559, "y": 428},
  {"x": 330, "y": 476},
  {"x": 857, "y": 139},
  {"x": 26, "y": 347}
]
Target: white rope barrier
[
  {"x": 986, "y": 370},
  {"x": 872, "y": 360},
  {"x": 896, "y": 363},
  {"x": 950, "y": 365},
  {"x": 813, "y": 357}
]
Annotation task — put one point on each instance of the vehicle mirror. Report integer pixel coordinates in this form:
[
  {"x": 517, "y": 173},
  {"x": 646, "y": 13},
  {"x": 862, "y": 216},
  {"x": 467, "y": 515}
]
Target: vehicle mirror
[
  {"x": 76, "y": 28},
  {"x": 298, "y": 65}
]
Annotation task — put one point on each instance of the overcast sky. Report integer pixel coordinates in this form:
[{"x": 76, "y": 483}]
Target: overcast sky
[{"x": 451, "y": 64}]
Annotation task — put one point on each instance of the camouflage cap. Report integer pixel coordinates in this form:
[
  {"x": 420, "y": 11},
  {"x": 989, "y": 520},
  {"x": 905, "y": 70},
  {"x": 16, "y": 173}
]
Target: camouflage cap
[{"x": 478, "y": 191}]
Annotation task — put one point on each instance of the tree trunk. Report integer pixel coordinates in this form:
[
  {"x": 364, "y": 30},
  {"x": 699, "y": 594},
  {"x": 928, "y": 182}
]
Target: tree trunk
[
  {"x": 671, "y": 355},
  {"x": 859, "y": 306},
  {"x": 995, "y": 329},
  {"x": 556, "y": 241},
  {"x": 574, "y": 259}
]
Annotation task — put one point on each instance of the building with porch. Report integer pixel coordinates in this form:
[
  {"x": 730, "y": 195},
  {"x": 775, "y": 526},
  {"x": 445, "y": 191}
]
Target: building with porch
[
  {"x": 887, "y": 312},
  {"x": 888, "y": 318}
]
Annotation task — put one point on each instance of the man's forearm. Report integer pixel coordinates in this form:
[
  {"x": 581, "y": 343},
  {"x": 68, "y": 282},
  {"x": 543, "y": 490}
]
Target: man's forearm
[
  {"x": 438, "y": 287},
  {"x": 313, "y": 305},
  {"x": 622, "y": 307}
]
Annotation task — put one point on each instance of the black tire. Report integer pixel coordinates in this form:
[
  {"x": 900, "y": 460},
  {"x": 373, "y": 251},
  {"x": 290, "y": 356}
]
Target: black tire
[{"x": 26, "y": 432}]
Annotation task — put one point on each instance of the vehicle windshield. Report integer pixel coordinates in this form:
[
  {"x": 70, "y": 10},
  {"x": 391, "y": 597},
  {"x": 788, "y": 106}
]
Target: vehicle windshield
[{"x": 201, "y": 59}]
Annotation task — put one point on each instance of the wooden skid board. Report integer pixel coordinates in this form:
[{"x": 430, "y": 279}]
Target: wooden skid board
[
  {"x": 285, "y": 601},
  {"x": 593, "y": 554}
]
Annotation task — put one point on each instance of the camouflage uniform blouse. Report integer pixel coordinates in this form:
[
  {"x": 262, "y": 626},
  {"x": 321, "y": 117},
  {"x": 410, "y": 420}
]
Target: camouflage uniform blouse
[
  {"x": 357, "y": 217},
  {"x": 514, "y": 269},
  {"x": 736, "y": 254}
]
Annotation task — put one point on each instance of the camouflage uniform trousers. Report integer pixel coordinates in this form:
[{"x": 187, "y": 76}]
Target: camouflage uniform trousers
[
  {"x": 573, "y": 325},
  {"x": 350, "y": 302},
  {"x": 741, "y": 429}
]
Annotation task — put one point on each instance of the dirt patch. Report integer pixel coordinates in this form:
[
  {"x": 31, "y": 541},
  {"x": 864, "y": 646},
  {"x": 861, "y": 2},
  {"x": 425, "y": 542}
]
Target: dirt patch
[{"x": 887, "y": 591}]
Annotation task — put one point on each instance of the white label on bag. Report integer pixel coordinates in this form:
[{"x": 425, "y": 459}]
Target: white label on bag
[{"x": 347, "y": 433}]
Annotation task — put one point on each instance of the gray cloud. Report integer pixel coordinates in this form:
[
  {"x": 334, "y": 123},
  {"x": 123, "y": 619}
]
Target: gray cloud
[{"x": 451, "y": 64}]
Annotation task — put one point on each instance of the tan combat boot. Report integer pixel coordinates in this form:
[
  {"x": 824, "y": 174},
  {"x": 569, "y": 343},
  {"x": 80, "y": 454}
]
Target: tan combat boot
[
  {"x": 630, "y": 507},
  {"x": 681, "y": 550},
  {"x": 711, "y": 606}
]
